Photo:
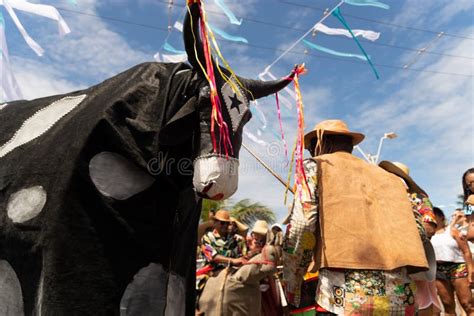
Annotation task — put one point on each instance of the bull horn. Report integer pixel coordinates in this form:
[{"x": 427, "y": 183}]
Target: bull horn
[
  {"x": 190, "y": 35},
  {"x": 258, "y": 89}
]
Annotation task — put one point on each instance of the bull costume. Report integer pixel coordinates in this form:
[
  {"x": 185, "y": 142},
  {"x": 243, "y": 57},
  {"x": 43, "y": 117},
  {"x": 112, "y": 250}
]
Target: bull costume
[
  {"x": 355, "y": 225},
  {"x": 98, "y": 205}
]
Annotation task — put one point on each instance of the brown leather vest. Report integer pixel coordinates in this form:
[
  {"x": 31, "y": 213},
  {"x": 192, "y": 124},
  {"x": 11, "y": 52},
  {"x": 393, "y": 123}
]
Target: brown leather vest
[{"x": 365, "y": 218}]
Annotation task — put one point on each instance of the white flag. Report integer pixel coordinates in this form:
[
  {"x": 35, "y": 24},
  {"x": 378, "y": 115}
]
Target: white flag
[
  {"x": 370, "y": 35},
  {"x": 38, "y": 9},
  {"x": 8, "y": 85},
  {"x": 176, "y": 58}
]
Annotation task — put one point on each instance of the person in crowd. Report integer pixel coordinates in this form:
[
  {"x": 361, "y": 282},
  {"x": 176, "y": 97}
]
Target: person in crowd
[
  {"x": 454, "y": 263},
  {"x": 217, "y": 251},
  {"x": 468, "y": 183},
  {"x": 258, "y": 238},
  {"x": 236, "y": 238},
  {"x": 426, "y": 297},
  {"x": 356, "y": 224}
]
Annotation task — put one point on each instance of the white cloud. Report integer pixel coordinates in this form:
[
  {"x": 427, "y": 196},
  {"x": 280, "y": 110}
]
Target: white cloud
[
  {"x": 38, "y": 80},
  {"x": 90, "y": 54},
  {"x": 434, "y": 13}
]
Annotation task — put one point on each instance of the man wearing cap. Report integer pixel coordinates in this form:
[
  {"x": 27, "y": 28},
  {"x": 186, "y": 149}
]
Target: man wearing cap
[{"x": 355, "y": 224}]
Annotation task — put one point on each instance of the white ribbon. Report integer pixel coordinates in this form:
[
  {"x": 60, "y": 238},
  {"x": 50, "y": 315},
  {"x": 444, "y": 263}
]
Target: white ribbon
[
  {"x": 176, "y": 58},
  {"x": 8, "y": 84},
  {"x": 38, "y": 9},
  {"x": 370, "y": 35}
]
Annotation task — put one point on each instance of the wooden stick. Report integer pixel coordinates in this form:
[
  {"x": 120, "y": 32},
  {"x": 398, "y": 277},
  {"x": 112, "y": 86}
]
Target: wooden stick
[{"x": 277, "y": 176}]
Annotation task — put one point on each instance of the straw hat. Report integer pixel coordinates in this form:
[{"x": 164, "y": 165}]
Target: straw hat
[
  {"x": 260, "y": 227},
  {"x": 332, "y": 127},
  {"x": 276, "y": 225},
  {"x": 470, "y": 200},
  {"x": 240, "y": 226},
  {"x": 403, "y": 172},
  {"x": 222, "y": 215}
]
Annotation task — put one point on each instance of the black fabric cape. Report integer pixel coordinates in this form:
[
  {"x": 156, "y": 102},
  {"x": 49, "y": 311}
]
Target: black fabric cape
[{"x": 84, "y": 248}]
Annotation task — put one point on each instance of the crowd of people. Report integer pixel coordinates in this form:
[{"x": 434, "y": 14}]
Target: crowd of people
[{"x": 361, "y": 239}]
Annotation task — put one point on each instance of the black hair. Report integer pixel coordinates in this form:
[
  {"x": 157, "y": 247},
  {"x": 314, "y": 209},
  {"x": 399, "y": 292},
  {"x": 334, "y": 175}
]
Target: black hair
[
  {"x": 466, "y": 190},
  {"x": 332, "y": 143},
  {"x": 439, "y": 212}
]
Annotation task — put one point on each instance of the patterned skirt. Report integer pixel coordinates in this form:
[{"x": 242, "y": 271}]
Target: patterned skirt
[{"x": 366, "y": 292}]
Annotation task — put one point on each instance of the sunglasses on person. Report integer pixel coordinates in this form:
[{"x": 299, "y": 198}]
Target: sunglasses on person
[{"x": 223, "y": 223}]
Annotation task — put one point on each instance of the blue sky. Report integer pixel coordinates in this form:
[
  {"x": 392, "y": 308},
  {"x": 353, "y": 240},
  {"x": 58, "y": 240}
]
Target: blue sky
[{"x": 430, "y": 105}]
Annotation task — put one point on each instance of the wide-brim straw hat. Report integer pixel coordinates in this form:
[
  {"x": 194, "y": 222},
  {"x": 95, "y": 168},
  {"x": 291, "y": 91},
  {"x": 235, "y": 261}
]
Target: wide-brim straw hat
[
  {"x": 401, "y": 170},
  {"x": 222, "y": 215},
  {"x": 332, "y": 127},
  {"x": 243, "y": 229},
  {"x": 260, "y": 227},
  {"x": 470, "y": 200}
]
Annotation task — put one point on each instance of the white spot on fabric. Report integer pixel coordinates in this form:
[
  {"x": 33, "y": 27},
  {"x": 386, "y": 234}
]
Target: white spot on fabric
[
  {"x": 117, "y": 177},
  {"x": 26, "y": 204},
  {"x": 11, "y": 298},
  {"x": 146, "y": 294},
  {"x": 41, "y": 122},
  {"x": 176, "y": 296}
]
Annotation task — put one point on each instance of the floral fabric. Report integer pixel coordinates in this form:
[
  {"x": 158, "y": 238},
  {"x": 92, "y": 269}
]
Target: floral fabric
[
  {"x": 300, "y": 240},
  {"x": 213, "y": 244},
  {"x": 422, "y": 205},
  {"x": 451, "y": 270},
  {"x": 366, "y": 292}
]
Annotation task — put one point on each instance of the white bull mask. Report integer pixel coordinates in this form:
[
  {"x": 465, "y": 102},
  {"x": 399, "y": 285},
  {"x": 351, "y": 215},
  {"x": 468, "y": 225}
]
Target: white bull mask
[{"x": 216, "y": 177}]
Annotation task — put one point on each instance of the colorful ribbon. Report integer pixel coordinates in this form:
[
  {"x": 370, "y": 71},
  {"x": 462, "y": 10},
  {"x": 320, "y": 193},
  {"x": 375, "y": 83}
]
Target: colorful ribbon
[
  {"x": 338, "y": 15},
  {"x": 281, "y": 127},
  {"x": 228, "y": 12},
  {"x": 333, "y": 52},
  {"x": 372, "y": 3},
  {"x": 227, "y": 36},
  {"x": 171, "y": 49}
]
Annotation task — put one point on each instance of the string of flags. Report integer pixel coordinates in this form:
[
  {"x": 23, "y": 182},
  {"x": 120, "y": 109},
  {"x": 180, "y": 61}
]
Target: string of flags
[{"x": 9, "y": 86}]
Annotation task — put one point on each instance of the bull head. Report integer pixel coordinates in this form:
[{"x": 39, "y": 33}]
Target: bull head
[{"x": 216, "y": 175}]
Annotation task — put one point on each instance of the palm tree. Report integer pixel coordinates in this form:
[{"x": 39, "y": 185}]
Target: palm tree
[
  {"x": 248, "y": 213},
  {"x": 244, "y": 211},
  {"x": 210, "y": 205},
  {"x": 460, "y": 200}
]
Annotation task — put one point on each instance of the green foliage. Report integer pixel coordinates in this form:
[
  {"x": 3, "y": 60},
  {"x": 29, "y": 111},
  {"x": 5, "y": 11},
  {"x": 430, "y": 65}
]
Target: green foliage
[
  {"x": 210, "y": 205},
  {"x": 244, "y": 211},
  {"x": 247, "y": 212}
]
